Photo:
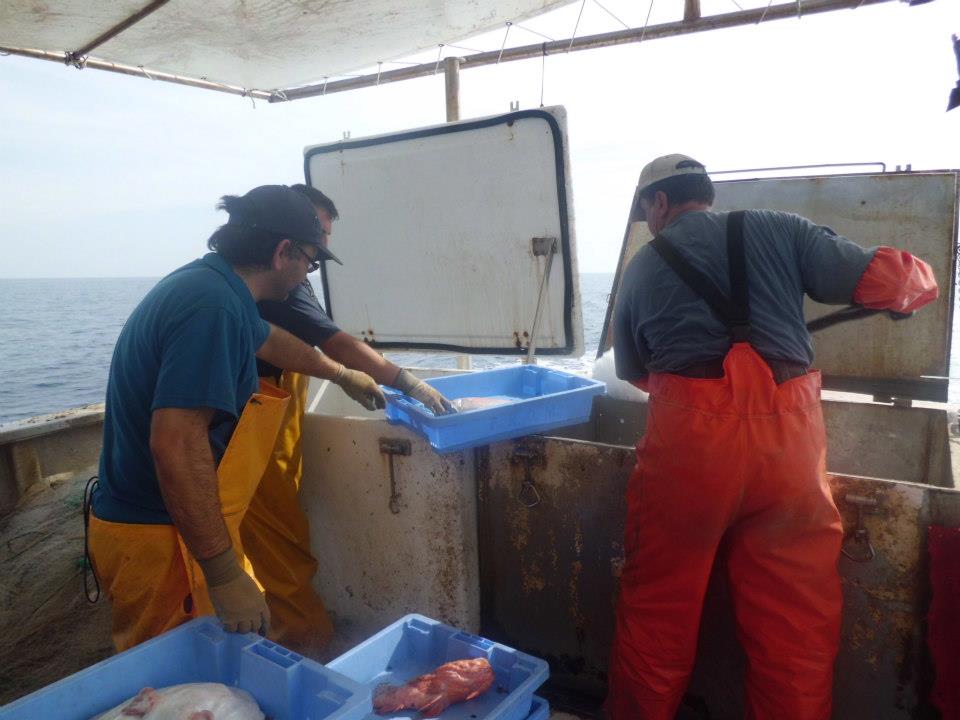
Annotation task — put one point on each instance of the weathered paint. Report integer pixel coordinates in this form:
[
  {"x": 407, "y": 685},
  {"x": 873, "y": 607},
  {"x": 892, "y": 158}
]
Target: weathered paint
[
  {"x": 549, "y": 576},
  {"x": 376, "y": 565}
]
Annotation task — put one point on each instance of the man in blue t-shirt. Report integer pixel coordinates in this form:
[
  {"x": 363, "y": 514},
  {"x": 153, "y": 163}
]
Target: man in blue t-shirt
[
  {"x": 275, "y": 531},
  {"x": 187, "y": 430}
]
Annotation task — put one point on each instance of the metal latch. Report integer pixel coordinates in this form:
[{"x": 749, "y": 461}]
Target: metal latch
[
  {"x": 860, "y": 536},
  {"x": 528, "y": 456},
  {"x": 392, "y": 447}
]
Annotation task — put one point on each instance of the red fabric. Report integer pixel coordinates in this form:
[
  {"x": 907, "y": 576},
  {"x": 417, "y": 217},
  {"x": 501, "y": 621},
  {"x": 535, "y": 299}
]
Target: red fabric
[
  {"x": 743, "y": 458},
  {"x": 896, "y": 280},
  {"x": 944, "y": 623},
  {"x": 642, "y": 383}
]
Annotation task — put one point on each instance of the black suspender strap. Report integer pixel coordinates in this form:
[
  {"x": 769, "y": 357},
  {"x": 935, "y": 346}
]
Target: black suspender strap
[{"x": 733, "y": 311}]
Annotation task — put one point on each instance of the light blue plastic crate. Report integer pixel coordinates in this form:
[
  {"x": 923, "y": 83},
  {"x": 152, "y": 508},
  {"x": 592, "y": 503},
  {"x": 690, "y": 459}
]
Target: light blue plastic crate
[
  {"x": 540, "y": 709},
  {"x": 286, "y": 685},
  {"x": 541, "y": 399},
  {"x": 415, "y": 645}
]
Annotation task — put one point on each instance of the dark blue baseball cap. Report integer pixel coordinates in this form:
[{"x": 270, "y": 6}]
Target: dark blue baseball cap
[{"x": 284, "y": 211}]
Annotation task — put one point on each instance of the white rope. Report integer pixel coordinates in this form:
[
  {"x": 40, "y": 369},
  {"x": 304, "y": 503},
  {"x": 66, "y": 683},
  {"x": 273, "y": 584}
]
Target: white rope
[
  {"x": 764, "y": 15},
  {"x": 460, "y": 47},
  {"x": 739, "y": 6},
  {"x": 145, "y": 73},
  {"x": 379, "y": 70},
  {"x": 439, "y": 58},
  {"x": 595, "y": 2},
  {"x": 504, "y": 43},
  {"x": 577, "y": 25},
  {"x": 647, "y": 21},
  {"x": 536, "y": 33},
  {"x": 543, "y": 70}
]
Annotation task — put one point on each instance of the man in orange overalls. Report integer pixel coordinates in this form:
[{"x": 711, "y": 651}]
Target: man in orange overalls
[
  {"x": 188, "y": 431},
  {"x": 709, "y": 320}
]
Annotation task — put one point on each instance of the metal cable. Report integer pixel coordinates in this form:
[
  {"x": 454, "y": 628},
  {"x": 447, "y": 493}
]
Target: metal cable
[
  {"x": 577, "y": 25},
  {"x": 595, "y": 2},
  {"x": 647, "y": 21},
  {"x": 504, "y": 43},
  {"x": 547, "y": 37}
]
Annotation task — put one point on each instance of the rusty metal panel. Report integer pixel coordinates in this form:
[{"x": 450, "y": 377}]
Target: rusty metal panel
[
  {"x": 549, "y": 576},
  {"x": 913, "y": 211},
  {"x": 548, "y": 573}
]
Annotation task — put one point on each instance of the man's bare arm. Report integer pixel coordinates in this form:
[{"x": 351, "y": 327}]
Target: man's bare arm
[
  {"x": 287, "y": 351},
  {"x": 188, "y": 478},
  {"x": 345, "y": 348}
]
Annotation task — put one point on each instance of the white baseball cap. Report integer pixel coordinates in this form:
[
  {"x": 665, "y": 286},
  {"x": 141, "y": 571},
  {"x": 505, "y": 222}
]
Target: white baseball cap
[{"x": 666, "y": 166}]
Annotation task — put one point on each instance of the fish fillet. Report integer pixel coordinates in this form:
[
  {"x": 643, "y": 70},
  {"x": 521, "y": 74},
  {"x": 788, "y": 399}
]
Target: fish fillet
[{"x": 431, "y": 694}]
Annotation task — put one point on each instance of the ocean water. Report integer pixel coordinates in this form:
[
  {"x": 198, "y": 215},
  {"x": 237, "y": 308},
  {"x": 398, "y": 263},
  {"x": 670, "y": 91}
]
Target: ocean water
[{"x": 57, "y": 337}]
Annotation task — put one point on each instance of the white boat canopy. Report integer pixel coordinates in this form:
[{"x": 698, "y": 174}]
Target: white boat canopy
[
  {"x": 262, "y": 44},
  {"x": 288, "y": 49}
]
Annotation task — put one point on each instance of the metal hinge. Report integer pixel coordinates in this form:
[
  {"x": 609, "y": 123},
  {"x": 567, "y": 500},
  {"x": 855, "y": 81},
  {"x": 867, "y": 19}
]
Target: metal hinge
[
  {"x": 530, "y": 456},
  {"x": 392, "y": 447},
  {"x": 860, "y": 535}
]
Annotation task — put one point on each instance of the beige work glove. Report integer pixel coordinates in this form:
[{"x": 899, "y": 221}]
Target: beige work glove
[
  {"x": 361, "y": 387},
  {"x": 237, "y": 600},
  {"x": 409, "y": 384}
]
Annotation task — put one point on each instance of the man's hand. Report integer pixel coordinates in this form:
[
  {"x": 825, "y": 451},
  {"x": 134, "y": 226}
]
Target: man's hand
[
  {"x": 237, "y": 600},
  {"x": 361, "y": 387},
  {"x": 409, "y": 384}
]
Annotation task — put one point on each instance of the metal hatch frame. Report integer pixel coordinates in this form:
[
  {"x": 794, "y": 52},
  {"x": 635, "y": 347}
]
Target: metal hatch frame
[
  {"x": 507, "y": 119},
  {"x": 925, "y": 388}
]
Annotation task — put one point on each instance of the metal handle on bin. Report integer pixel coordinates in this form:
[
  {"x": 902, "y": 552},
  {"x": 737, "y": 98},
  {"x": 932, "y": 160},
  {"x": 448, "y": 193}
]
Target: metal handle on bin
[{"x": 391, "y": 447}]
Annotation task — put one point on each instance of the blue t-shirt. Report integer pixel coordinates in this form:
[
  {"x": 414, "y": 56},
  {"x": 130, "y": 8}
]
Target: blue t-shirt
[
  {"x": 661, "y": 325},
  {"x": 300, "y": 314},
  {"x": 190, "y": 343}
]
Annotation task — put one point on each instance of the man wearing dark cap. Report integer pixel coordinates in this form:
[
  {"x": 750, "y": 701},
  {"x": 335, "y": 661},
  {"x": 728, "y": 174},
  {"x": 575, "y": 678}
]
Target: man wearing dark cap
[
  {"x": 709, "y": 320},
  {"x": 188, "y": 428},
  {"x": 275, "y": 530}
]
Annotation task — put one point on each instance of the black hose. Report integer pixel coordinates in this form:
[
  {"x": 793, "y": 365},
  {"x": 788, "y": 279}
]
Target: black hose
[
  {"x": 853, "y": 312},
  {"x": 88, "y": 569}
]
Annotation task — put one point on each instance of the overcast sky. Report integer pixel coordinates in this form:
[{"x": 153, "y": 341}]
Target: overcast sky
[{"x": 109, "y": 175}]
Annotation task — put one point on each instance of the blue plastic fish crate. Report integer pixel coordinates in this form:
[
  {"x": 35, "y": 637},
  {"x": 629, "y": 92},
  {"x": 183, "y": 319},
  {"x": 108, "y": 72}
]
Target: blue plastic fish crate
[
  {"x": 415, "y": 645},
  {"x": 286, "y": 685},
  {"x": 539, "y": 399},
  {"x": 540, "y": 710}
]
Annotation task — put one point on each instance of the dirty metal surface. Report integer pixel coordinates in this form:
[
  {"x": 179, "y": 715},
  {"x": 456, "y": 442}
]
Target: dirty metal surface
[
  {"x": 913, "y": 211},
  {"x": 549, "y": 578},
  {"x": 548, "y": 573},
  {"x": 387, "y": 551}
]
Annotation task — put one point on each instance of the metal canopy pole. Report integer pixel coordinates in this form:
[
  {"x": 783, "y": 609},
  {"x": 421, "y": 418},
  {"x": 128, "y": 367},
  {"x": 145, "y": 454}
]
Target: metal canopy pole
[
  {"x": 589, "y": 42},
  {"x": 76, "y": 56},
  {"x": 451, "y": 81}
]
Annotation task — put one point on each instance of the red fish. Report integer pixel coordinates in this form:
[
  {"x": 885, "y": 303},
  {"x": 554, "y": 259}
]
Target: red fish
[{"x": 431, "y": 694}]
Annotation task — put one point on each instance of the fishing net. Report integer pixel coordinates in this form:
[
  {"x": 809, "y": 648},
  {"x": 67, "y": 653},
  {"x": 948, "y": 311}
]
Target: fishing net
[{"x": 49, "y": 629}]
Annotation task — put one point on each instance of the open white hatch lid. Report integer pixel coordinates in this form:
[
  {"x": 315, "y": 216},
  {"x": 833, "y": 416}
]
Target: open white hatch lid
[
  {"x": 445, "y": 233},
  {"x": 915, "y": 211}
]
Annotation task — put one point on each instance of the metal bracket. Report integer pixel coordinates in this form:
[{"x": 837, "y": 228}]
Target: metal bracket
[
  {"x": 861, "y": 536},
  {"x": 542, "y": 247},
  {"x": 529, "y": 456},
  {"x": 392, "y": 447},
  {"x": 893, "y": 400}
]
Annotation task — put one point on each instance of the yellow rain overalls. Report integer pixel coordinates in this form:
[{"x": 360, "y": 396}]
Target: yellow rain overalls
[
  {"x": 151, "y": 579},
  {"x": 276, "y": 536}
]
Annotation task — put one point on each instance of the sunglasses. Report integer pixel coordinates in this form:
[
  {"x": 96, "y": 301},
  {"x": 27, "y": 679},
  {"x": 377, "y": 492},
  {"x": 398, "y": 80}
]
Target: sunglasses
[{"x": 313, "y": 263}]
